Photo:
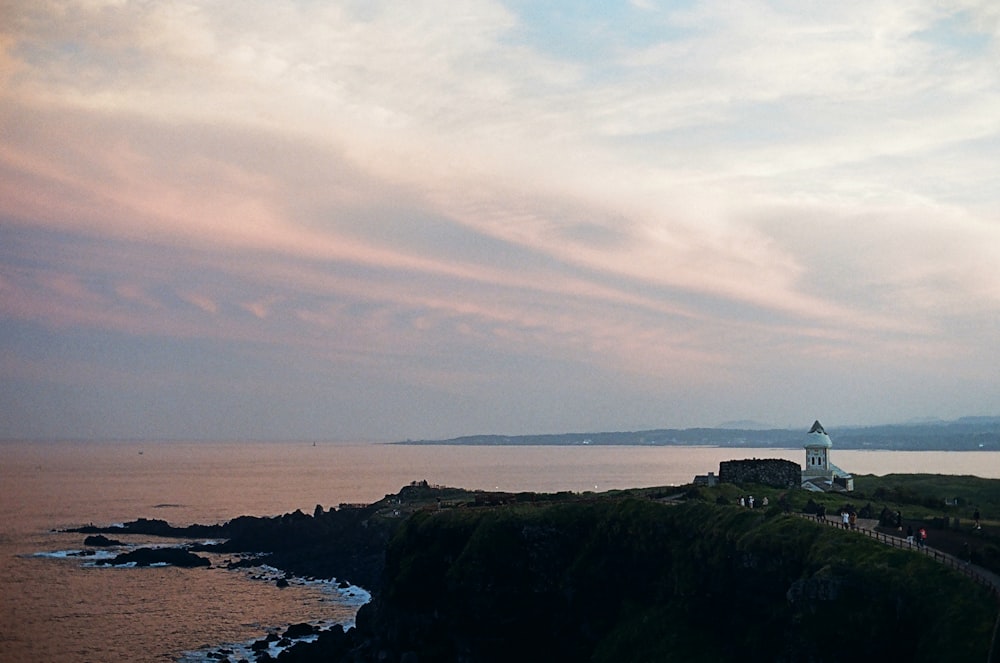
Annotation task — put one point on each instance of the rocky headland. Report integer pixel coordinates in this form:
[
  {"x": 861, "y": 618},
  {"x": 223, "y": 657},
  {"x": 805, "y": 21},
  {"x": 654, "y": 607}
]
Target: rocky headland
[{"x": 644, "y": 575}]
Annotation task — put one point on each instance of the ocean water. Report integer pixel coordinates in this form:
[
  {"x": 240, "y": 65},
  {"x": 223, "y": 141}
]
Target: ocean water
[{"x": 55, "y": 607}]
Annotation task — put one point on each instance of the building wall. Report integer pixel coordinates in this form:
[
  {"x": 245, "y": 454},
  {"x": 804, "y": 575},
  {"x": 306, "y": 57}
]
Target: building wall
[
  {"x": 767, "y": 471},
  {"x": 817, "y": 460}
]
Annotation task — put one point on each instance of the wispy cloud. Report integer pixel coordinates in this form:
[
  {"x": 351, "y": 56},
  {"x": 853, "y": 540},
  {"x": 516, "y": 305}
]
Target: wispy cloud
[{"x": 431, "y": 192}]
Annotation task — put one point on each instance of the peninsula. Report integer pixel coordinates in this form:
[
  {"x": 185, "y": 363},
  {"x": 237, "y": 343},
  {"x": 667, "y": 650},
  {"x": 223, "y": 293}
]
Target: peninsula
[{"x": 671, "y": 573}]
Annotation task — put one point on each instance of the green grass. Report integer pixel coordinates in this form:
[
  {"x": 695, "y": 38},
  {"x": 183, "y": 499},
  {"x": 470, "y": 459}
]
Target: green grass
[{"x": 624, "y": 577}]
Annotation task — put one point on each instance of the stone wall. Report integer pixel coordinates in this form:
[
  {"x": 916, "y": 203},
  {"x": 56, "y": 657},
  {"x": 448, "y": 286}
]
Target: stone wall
[{"x": 767, "y": 471}]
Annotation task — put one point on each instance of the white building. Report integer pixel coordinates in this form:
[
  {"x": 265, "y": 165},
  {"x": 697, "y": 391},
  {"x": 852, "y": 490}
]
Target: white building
[{"x": 820, "y": 474}]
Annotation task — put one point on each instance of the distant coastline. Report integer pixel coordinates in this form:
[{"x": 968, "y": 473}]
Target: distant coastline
[{"x": 965, "y": 434}]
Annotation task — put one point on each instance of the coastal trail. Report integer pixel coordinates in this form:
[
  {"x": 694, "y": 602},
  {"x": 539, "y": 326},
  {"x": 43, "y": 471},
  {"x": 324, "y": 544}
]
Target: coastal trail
[
  {"x": 866, "y": 527},
  {"x": 990, "y": 580}
]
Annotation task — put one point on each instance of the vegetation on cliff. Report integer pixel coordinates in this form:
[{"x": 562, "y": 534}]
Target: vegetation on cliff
[{"x": 628, "y": 579}]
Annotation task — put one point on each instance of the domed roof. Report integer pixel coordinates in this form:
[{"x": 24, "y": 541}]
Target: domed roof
[{"x": 817, "y": 437}]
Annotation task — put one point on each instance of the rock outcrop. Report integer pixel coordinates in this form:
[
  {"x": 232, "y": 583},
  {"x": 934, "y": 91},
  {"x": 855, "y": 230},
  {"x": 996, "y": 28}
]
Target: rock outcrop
[{"x": 149, "y": 556}]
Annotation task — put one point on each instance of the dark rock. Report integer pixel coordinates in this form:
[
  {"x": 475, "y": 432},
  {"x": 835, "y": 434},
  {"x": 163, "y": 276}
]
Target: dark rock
[
  {"x": 300, "y": 630},
  {"x": 100, "y": 540},
  {"x": 172, "y": 556},
  {"x": 814, "y": 589},
  {"x": 330, "y": 645},
  {"x": 334, "y": 543},
  {"x": 154, "y": 527},
  {"x": 281, "y": 582}
]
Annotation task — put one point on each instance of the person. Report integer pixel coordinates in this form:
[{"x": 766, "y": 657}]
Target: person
[
  {"x": 922, "y": 537},
  {"x": 909, "y": 534},
  {"x": 853, "y": 519},
  {"x": 845, "y": 518},
  {"x": 899, "y": 522},
  {"x": 975, "y": 518},
  {"x": 750, "y": 501},
  {"x": 764, "y": 501}
]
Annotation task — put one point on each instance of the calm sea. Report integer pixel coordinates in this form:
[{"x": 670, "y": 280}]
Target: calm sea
[{"x": 56, "y": 608}]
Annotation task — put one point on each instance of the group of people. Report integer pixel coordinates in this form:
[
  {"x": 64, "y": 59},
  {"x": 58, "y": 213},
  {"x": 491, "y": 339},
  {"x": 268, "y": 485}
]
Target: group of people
[
  {"x": 920, "y": 538},
  {"x": 849, "y": 517},
  {"x": 849, "y": 520},
  {"x": 749, "y": 502}
]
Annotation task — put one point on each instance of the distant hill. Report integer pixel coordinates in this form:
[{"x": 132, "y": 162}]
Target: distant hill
[
  {"x": 745, "y": 424},
  {"x": 964, "y": 434}
]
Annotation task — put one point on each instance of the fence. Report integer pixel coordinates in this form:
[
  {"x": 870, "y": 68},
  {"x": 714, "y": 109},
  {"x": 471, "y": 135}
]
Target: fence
[{"x": 962, "y": 566}]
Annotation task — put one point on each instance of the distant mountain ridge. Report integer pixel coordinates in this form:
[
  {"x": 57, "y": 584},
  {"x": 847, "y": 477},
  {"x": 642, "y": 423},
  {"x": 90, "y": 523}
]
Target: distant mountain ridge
[{"x": 980, "y": 433}]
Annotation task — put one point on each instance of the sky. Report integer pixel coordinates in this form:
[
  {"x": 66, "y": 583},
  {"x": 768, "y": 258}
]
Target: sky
[{"x": 384, "y": 220}]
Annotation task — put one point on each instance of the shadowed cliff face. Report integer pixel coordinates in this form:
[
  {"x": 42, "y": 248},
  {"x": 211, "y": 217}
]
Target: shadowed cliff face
[{"x": 633, "y": 580}]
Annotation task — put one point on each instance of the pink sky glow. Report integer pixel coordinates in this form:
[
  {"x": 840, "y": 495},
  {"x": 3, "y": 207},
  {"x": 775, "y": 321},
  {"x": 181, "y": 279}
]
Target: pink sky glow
[{"x": 389, "y": 220}]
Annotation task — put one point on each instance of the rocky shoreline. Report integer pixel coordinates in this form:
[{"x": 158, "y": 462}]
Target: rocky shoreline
[
  {"x": 345, "y": 542},
  {"x": 328, "y": 546},
  {"x": 472, "y": 576}
]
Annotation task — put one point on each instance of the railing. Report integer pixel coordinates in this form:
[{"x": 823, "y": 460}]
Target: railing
[{"x": 964, "y": 567}]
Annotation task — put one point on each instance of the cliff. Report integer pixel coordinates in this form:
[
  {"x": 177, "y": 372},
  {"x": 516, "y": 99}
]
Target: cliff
[{"x": 636, "y": 580}]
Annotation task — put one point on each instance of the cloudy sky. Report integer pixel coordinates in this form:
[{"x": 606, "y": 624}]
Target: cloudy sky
[{"x": 382, "y": 220}]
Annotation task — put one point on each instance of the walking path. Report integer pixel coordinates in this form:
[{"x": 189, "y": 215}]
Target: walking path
[
  {"x": 866, "y": 526},
  {"x": 984, "y": 577}
]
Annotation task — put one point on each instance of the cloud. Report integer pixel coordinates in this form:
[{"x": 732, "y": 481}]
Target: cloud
[
  {"x": 134, "y": 293},
  {"x": 202, "y": 302},
  {"x": 708, "y": 191}
]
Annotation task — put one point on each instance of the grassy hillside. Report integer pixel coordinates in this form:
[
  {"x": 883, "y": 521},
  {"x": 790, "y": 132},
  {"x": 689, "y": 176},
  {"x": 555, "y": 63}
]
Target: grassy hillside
[
  {"x": 942, "y": 504},
  {"x": 622, "y": 577}
]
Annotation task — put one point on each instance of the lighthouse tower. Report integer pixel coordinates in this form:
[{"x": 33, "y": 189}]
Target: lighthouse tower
[
  {"x": 817, "y": 446},
  {"x": 820, "y": 474}
]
